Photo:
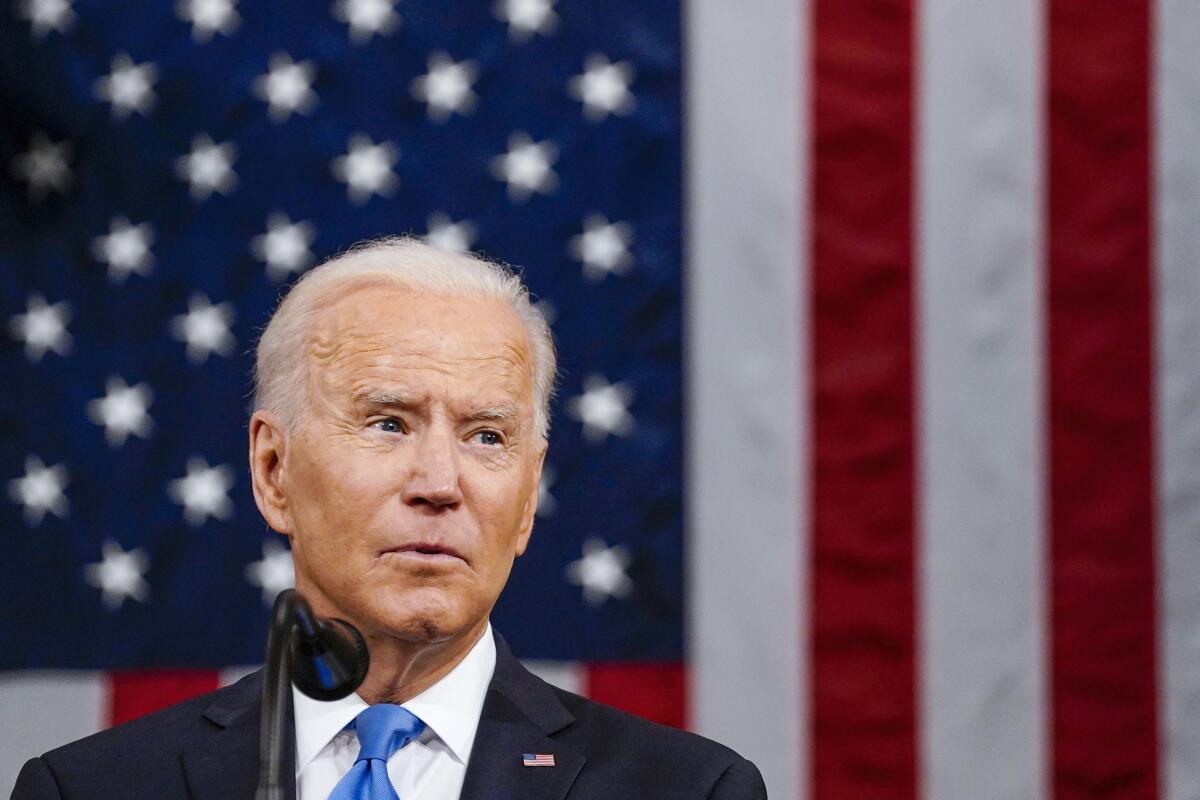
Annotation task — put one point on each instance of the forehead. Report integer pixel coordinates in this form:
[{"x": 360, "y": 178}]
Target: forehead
[{"x": 376, "y": 336}]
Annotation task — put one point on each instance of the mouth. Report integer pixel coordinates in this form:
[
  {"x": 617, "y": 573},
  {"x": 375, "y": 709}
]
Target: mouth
[{"x": 429, "y": 552}]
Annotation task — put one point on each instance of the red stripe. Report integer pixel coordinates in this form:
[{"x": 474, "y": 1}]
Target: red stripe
[
  {"x": 863, "y": 628},
  {"x": 655, "y": 691},
  {"x": 138, "y": 692},
  {"x": 1100, "y": 376}
]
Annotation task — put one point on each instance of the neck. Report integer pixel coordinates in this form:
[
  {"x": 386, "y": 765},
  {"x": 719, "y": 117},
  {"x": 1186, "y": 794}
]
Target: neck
[{"x": 402, "y": 669}]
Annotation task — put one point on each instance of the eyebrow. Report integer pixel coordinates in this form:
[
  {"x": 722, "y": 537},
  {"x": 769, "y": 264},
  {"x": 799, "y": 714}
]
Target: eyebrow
[{"x": 497, "y": 413}]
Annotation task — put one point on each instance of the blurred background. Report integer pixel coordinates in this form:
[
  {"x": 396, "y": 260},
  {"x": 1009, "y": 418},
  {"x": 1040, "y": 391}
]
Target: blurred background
[{"x": 876, "y": 447}]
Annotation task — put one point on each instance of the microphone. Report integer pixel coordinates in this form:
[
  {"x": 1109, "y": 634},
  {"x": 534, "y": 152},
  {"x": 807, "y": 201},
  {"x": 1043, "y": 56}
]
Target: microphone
[
  {"x": 326, "y": 659},
  {"x": 328, "y": 656}
]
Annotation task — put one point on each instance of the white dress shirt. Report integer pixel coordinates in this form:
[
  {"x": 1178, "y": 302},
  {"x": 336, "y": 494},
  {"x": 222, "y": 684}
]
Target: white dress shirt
[{"x": 430, "y": 768}]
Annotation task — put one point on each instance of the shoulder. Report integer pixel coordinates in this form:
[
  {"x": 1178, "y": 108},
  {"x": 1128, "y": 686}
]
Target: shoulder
[
  {"x": 106, "y": 762},
  {"x": 631, "y": 752}
]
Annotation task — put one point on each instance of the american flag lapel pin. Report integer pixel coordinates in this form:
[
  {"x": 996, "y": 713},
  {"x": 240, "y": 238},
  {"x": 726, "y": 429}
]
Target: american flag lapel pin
[{"x": 538, "y": 760}]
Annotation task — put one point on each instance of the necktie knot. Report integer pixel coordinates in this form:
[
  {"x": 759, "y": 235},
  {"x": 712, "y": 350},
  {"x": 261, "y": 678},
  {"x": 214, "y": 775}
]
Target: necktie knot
[{"x": 383, "y": 729}]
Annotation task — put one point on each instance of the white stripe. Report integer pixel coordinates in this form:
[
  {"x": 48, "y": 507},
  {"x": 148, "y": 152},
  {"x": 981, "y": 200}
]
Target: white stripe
[
  {"x": 747, "y": 570},
  {"x": 982, "y": 653},
  {"x": 42, "y": 710},
  {"x": 567, "y": 675},
  {"x": 1177, "y": 181}
]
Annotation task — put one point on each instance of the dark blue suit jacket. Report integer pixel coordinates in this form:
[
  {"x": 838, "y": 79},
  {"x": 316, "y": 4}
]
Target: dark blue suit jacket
[{"x": 207, "y": 749}]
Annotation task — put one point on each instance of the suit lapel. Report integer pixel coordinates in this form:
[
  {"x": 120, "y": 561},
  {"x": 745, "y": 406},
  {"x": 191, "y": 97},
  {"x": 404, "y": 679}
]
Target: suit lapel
[
  {"x": 225, "y": 764},
  {"x": 520, "y": 715}
]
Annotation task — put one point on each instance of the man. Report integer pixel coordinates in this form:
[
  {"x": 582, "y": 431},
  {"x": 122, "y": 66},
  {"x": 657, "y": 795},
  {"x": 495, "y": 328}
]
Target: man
[{"x": 400, "y": 423}]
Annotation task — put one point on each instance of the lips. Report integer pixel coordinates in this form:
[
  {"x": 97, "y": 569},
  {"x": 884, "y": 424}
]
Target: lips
[{"x": 430, "y": 550}]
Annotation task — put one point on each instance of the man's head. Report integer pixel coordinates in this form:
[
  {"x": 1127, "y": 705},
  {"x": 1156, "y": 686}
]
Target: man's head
[{"x": 399, "y": 428}]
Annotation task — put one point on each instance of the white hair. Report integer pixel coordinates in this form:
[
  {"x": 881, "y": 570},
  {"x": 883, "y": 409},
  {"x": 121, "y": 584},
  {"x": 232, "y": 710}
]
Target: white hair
[{"x": 280, "y": 361}]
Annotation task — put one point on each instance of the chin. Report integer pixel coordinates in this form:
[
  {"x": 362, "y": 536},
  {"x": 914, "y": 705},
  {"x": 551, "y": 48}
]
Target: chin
[{"x": 423, "y": 615}]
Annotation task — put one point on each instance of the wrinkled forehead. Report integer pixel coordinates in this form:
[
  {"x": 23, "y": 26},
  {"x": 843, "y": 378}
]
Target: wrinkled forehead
[{"x": 383, "y": 337}]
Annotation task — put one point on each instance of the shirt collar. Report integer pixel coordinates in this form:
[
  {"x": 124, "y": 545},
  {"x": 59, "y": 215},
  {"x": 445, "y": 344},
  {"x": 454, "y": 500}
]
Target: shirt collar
[{"x": 450, "y": 708}]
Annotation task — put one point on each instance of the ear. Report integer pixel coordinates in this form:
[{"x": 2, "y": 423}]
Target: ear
[
  {"x": 530, "y": 509},
  {"x": 268, "y": 474}
]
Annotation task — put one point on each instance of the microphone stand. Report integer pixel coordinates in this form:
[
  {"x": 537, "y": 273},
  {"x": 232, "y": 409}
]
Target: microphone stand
[
  {"x": 276, "y": 698},
  {"x": 327, "y": 659}
]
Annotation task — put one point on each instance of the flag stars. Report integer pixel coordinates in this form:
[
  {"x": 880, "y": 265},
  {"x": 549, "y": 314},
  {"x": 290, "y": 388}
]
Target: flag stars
[
  {"x": 546, "y": 502},
  {"x": 45, "y": 16},
  {"x": 285, "y": 246},
  {"x": 44, "y": 166},
  {"x": 42, "y": 328},
  {"x": 40, "y": 490},
  {"x": 209, "y": 17},
  {"x": 456, "y": 237},
  {"x": 128, "y": 86},
  {"x": 602, "y": 247},
  {"x": 601, "y": 572},
  {"x": 366, "y": 169},
  {"x": 446, "y": 88},
  {"x": 208, "y": 167},
  {"x": 205, "y": 329},
  {"x": 286, "y": 87},
  {"x": 274, "y": 573},
  {"x": 119, "y": 575},
  {"x": 603, "y": 408},
  {"x": 603, "y": 88},
  {"x": 126, "y": 249},
  {"x": 367, "y": 18},
  {"x": 526, "y": 167},
  {"x": 203, "y": 492},
  {"x": 123, "y": 410},
  {"x": 526, "y": 17}
]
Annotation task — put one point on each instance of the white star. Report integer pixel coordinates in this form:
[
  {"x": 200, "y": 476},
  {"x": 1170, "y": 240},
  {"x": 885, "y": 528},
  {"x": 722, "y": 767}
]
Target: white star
[
  {"x": 454, "y": 236},
  {"x": 526, "y": 17},
  {"x": 44, "y": 167},
  {"x": 125, "y": 249},
  {"x": 40, "y": 490},
  {"x": 274, "y": 573},
  {"x": 46, "y": 15},
  {"x": 42, "y": 327},
  {"x": 546, "y": 504},
  {"x": 119, "y": 574},
  {"x": 205, "y": 328},
  {"x": 603, "y": 248},
  {"x": 446, "y": 88},
  {"x": 203, "y": 491},
  {"x": 603, "y": 88},
  {"x": 208, "y": 167},
  {"x": 128, "y": 86},
  {"x": 208, "y": 17},
  {"x": 287, "y": 87},
  {"x": 601, "y": 572},
  {"x": 284, "y": 246},
  {"x": 526, "y": 166},
  {"x": 122, "y": 410},
  {"x": 367, "y": 17},
  {"x": 366, "y": 169},
  {"x": 603, "y": 408}
]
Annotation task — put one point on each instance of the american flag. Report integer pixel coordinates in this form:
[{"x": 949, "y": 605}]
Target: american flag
[
  {"x": 876, "y": 453},
  {"x": 537, "y": 760}
]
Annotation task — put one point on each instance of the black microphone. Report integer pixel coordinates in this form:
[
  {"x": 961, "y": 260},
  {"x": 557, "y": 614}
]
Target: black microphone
[
  {"x": 326, "y": 659},
  {"x": 328, "y": 656}
]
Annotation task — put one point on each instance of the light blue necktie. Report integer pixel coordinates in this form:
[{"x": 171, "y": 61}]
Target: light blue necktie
[{"x": 382, "y": 730}]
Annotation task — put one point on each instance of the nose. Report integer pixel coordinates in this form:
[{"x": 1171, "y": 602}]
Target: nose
[{"x": 432, "y": 482}]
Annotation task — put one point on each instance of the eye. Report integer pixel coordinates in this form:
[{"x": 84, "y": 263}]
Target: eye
[
  {"x": 389, "y": 425},
  {"x": 489, "y": 438}
]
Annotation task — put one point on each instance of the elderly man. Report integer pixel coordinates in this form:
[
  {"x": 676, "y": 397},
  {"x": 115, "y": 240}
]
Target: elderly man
[{"x": 400, "y": 423}]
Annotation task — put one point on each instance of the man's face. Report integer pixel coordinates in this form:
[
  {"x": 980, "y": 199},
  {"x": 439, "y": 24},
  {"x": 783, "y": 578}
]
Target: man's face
[{"x": 411, "y": 483}]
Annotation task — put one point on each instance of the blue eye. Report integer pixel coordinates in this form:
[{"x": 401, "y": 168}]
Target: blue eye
[
  {"x": 389, "y": 425},
  {"x": 489, "y": 438}
]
